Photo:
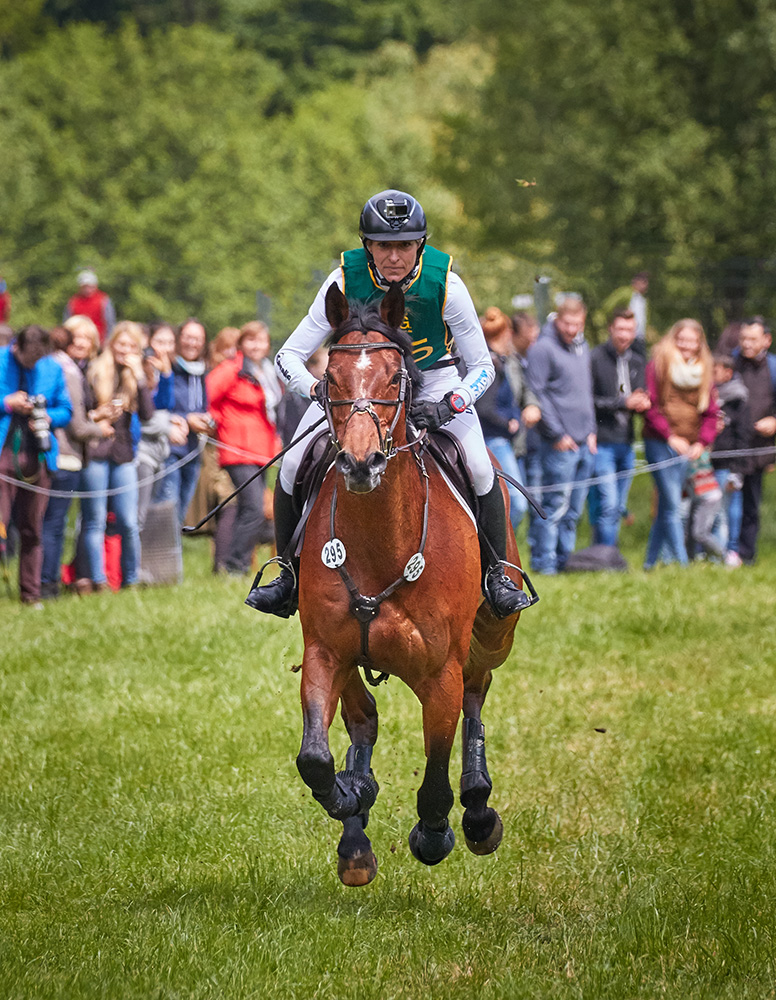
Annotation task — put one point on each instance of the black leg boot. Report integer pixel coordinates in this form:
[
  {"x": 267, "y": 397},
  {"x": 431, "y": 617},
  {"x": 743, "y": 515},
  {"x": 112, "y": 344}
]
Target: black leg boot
[
  {"x": 280, "y": 596},
  {"x": 504, "y": 596}
]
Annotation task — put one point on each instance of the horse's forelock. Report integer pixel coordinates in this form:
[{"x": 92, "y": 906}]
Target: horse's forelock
[{"x": 367, "y": 318}]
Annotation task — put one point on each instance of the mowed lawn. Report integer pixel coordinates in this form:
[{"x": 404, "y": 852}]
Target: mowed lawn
[{"x": 156, "y": 840}]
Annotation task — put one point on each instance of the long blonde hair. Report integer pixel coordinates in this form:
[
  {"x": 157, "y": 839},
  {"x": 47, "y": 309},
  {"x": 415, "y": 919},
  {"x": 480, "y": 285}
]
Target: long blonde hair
[
  {"x": 665, "y": 353},
  {"x": 106, "y": 380}
]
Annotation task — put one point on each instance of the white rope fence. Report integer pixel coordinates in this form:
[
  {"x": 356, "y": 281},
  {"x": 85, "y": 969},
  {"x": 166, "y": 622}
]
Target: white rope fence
[{"x": 254, "y": 459}]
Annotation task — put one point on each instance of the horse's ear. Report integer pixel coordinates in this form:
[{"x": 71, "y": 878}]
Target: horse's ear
[
  {"x": 337, "y": 309},
  {"x": 392, "y": 306}
]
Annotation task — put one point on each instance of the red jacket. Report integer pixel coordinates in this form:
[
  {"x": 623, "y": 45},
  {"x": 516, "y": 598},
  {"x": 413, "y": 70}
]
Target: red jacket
[
  {"x": 97, "y": 307},
  {"x": 236, "y": 403}
]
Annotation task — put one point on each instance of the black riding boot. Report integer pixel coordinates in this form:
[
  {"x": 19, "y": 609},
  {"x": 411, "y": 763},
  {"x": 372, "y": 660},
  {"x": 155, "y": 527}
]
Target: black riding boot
[
  {"x": 280, "y": 596},
  {"x": 504, "y": 596}
]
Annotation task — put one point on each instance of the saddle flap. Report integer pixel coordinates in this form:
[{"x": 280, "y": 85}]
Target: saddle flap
[{"x": 449, "y": 456}]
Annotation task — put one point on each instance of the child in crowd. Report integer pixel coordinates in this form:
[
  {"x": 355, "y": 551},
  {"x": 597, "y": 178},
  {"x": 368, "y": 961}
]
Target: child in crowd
[
  {"x": 705, "y": 502},
  {"x": 732, "y": 423}
]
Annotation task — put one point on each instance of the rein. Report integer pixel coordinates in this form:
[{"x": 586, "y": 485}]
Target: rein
[{"x": 365, "y": 609}]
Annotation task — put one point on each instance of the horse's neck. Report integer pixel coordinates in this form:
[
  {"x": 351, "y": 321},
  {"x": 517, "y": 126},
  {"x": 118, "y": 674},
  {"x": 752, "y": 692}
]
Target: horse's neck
[{"x": 393, "y": 513}]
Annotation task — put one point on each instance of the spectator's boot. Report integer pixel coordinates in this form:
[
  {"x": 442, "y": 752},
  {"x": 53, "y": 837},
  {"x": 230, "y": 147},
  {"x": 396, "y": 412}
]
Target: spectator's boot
[
  {"x": 504, "y": 597},
  {"x": 280, "y": 597}
]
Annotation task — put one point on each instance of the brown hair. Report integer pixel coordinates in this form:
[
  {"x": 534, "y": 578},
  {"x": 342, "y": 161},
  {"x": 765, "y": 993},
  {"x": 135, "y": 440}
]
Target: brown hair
[
  {"x": 225, "y": 340},
  {"x": 251, "y": 329}
]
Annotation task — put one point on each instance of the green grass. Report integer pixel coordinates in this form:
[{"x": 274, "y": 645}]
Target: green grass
[{"x": 157, "y": 842}]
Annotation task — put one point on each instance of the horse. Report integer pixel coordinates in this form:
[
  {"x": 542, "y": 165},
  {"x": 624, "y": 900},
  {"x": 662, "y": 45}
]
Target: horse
[{"x": 387, "y": 524}]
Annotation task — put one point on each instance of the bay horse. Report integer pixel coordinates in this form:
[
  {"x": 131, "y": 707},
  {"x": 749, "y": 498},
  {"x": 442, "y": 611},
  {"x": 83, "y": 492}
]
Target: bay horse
[{"x": 386, "y": 524}]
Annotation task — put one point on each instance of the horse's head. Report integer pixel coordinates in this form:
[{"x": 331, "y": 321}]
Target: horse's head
[{"x": 368, "y": 377}]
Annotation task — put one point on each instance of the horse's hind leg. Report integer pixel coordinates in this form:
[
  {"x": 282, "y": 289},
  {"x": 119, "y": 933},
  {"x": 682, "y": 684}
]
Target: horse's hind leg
[
  {"x": 357, "y": 864},
  {"x": 481, "y": 824}
]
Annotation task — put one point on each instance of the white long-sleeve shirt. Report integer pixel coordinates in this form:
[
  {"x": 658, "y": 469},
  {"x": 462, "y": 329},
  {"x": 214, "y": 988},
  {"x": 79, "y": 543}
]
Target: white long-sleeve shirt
[{"x": 459, "y": 314}]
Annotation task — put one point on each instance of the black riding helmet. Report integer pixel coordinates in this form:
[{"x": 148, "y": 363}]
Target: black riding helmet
[{"x": 392, "y": 216}]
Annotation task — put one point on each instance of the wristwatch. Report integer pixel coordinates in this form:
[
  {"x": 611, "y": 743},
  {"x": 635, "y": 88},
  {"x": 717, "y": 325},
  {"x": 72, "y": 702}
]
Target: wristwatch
[{"x": 457, "y": 402}]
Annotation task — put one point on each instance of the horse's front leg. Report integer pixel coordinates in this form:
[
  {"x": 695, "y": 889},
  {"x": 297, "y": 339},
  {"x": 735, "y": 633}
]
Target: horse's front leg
[
  {"x": 432, "y": 839},
  {"x": 357, "y": 864},
  {"x": 341, "y": 795}
]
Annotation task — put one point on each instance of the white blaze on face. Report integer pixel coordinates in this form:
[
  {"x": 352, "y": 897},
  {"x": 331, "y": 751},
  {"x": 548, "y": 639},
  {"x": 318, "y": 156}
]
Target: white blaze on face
[{"x": 363, "y": 366}]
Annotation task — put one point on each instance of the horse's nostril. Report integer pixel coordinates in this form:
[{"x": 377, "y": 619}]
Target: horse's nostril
[
  {"x": 376, "y": 463},
  {"x": 345, "y": 462}
]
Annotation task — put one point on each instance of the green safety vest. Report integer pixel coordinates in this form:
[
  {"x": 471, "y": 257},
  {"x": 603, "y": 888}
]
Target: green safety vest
[{"x": 424, "y": 300}]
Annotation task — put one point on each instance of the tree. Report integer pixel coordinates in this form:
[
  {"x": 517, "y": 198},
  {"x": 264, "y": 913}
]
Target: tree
[{"x": 647, "y": 128}]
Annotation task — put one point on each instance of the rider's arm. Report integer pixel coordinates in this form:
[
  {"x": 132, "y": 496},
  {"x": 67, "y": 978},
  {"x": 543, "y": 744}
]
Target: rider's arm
[
  {"x": 461, "y": 316},
  {"x": 305, "y": 341}
]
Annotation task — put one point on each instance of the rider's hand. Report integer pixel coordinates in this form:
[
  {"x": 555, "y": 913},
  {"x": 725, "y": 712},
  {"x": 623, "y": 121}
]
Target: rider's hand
[
  {"x": 431, "y": 415},
  {"x": 318, "y": 393}
]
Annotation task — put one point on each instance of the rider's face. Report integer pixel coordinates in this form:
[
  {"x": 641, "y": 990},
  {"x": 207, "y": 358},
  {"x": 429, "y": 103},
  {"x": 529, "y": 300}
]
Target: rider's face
[{"x": 394, "y": 259}]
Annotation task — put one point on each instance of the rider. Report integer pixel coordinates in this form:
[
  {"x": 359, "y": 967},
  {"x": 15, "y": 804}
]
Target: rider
[{"x": 438, "y": 309}]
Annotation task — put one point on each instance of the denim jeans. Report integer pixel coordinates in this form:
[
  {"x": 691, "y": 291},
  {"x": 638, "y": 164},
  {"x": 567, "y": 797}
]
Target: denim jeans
[
  {"x": 667, "y": 532},
  {"x": 179, "y": 485},
  {"x": 735, "y": 513},
  {"x": 54, "y": 524},
  {"x": 556, "y": 538},
  {"x": 609, "y": 499},
  {"x": 502, "y": 450},
  {"x": 103, "y": 476}
]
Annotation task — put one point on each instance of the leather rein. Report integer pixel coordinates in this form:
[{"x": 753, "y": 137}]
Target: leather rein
[{"x": 365, "y": 609}]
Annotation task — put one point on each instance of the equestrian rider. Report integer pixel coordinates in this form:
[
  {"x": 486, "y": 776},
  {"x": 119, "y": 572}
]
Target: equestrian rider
[{"x": 438, "y": 309}]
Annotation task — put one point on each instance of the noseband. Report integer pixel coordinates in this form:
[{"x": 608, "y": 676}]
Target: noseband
[{"x": 367, "y": 405}]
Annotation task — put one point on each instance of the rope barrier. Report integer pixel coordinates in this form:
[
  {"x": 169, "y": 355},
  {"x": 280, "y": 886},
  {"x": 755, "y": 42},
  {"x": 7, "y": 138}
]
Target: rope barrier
[{"x": 256, "y": 459}]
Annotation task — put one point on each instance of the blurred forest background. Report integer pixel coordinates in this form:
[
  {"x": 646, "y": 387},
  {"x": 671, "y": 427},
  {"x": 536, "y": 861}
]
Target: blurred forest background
[{"x": 196, "y": 152}]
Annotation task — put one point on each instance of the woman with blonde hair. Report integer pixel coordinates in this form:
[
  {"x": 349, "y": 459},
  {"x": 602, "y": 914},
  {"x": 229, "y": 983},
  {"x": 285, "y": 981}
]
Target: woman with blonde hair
[
  {"x": 680, "y": 424},
  {"x": 115, "y": 381}
]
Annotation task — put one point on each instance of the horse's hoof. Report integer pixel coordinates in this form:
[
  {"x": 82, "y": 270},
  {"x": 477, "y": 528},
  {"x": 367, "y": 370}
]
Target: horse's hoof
[
  {"x": 487, "y": 844},
  {"x": 357, "y": 871},
  {"x": 431, "y": 846}
]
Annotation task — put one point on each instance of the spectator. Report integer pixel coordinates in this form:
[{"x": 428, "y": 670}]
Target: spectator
[
  {"x": 619, "y": 391},
  {"x": 705, "y": 504},
  {"x": 28, "y": 449},
  {"x": 72, "y": 441},
  {"x": 156, "y": 434},
  {"x": 5, "y": 302},
  {"x": 526, "y": 444},
  {"x": 92, "y": 302},
  {"x": 214, "y": 484},
  {"x": 757, "y": 369},
  {"x": 190, "y": 404},
  {"x": 732, "y": 435},
  {"x": 559, "y": 374},
  {"x": 679, "y": 424},
  {"x": 638, "y": 306},
  {"x": 244, "y": 394},
  {"x": 498, "y": 408},
  {"x": 117, "y": 386},
  {"x": 6, "y": 335}
]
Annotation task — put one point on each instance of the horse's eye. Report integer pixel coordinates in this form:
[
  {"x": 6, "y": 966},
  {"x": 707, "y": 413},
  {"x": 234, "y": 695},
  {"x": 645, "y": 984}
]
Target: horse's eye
[
  {"x": 396, "y": 379},
  {"x": 330, "y": 380}
]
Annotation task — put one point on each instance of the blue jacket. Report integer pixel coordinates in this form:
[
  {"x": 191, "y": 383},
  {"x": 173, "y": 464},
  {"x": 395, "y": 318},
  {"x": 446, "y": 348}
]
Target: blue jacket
[
  {"x": 189, "y": 395},
  {"x": 45, "y": 379}
]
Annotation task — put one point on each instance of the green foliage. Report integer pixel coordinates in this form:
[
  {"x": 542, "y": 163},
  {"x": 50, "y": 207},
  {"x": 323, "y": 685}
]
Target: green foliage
[
  {"x": 648, "y": 128},
  {"x": 155, "y": 160}
]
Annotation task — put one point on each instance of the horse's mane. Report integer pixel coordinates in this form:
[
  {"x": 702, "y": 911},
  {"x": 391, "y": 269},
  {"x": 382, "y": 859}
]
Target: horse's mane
[{"x": 367, "y": 318}]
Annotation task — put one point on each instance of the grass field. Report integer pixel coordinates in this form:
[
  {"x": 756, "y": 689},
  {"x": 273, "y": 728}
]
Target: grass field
[{"x": 157, "y": 842}]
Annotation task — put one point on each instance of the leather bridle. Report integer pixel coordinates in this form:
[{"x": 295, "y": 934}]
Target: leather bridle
[{"x": 367, "y": 404}]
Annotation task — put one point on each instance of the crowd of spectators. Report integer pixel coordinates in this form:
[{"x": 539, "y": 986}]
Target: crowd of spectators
[
  {"x": 566, "y": 431},
  {"x": 122, "y": 416},
  {"x": 121, "y": 412}
]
